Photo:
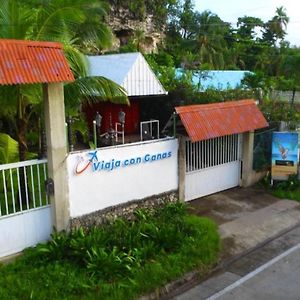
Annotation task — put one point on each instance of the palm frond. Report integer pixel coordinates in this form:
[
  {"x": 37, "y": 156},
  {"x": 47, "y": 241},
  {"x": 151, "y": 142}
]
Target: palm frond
[
  {"x": 94, "y": 30},
  {"x": 77, "y": 60},
  {"x": 94, "y": 89},
  {"x": 15, "y": 19},
  {"x": 55, "y": 17}
]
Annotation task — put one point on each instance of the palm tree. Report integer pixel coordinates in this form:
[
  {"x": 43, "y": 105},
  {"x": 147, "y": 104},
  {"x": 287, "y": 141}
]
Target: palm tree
[
  {"x": 75, "y": 23},
  {"x": 280, "y": 22},
  {"x": 275, "y": 28},
  {"x": 210, "y": 41}
]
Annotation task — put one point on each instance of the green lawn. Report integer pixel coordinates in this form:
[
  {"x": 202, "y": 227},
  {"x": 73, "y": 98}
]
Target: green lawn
[
  {"x": 287, "y": 194},
  {"x": 121, "y": 260},
  {"x": 286, "y": 189}
]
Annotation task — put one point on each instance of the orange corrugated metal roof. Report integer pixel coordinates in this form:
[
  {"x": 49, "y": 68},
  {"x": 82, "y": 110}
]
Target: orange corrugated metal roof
[
  {"x": 32, "y": 62},
  {"x": 206, "y": 121}
]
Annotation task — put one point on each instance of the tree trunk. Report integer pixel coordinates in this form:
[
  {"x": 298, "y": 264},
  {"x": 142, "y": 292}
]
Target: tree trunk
[
  {"x": 293, "y": 96},
  {"x": 22, "y": 129}
]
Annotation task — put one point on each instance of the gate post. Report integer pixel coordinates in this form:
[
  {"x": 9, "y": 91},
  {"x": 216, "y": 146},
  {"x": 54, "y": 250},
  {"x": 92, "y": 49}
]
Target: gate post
[
  {"x": 54, "y": 110},
  {"x": 247, "y": 158},
  {"x": 181, "y": 168}
]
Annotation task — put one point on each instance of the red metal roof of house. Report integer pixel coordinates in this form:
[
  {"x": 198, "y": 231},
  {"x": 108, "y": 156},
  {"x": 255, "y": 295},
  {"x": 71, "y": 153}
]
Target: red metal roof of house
[
  {"x": 24, "y": 62},
  {"x": 206, "y": 121}
]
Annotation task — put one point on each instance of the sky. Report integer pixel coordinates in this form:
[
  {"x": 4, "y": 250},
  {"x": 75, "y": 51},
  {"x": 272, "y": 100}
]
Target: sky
[{"x": 230, "y": 10}]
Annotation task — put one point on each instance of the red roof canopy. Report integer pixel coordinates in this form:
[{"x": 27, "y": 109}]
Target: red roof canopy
[
  {"x": 206, "y": 121},
  {"x": 24, "y": 62}
]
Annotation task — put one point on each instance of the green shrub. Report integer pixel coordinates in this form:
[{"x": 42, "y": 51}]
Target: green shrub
[
  {"x": 119, "y": 260},
  {"x": 287, "y": 189},
  {"x": 292, "y": 184}
]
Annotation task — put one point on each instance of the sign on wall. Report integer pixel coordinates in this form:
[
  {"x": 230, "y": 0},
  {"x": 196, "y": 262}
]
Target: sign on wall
[
  {"x": 110, "y": 176},
  {"x": 284, "y": 155}
]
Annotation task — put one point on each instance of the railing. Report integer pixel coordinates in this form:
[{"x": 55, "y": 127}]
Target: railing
[
  {"x": 212, "y": 152},
  {"x": 22, "y": 186}
]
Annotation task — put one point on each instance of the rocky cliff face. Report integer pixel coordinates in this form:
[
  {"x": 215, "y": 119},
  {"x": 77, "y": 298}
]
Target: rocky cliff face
[{"x": 127, "y": 28}]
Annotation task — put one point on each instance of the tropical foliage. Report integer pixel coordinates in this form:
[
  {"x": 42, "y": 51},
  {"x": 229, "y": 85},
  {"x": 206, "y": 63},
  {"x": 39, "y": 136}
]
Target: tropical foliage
[
  {"x": 8, "y": 149},
  {"x": 203, "y": 41},
  {"x": 199, "y": 41},
  {"x": 216, "y": 44},
  {"x": 78, "y": 25},
  {"x": 195, "y": 41},
  {"x": 119, "y": 260}
]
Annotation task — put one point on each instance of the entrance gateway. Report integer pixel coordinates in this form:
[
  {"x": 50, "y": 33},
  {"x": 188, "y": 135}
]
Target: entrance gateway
[
  {"x": 26, "y": 215},
  {"x": 213, "y": 151}
]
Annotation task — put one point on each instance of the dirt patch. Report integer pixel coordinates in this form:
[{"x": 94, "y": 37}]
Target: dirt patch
[{"x": 231, "y": 204}]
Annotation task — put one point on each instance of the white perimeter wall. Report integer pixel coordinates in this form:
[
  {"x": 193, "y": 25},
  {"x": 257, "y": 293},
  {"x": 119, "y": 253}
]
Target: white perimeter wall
[
  {"x": 24, "y": 230},
  {"x": 93, "y": 190}
]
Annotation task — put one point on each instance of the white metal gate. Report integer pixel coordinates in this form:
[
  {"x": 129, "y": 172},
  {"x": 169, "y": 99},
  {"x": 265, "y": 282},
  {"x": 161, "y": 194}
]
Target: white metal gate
[
  {"x": 25, "y": 212},
  {"x": 212, "y": 165}
]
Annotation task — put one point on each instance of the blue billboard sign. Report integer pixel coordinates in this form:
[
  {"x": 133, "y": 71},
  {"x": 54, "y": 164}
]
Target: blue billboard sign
[{"x": 284, "y": 155}]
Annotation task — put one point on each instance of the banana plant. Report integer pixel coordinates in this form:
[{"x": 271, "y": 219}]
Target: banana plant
[{"x": 9, "y": 149}]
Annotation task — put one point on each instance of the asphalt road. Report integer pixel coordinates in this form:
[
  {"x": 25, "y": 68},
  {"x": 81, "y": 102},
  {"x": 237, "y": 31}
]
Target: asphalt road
[
  {"x": 271, "y": 271},
  {"x": 277, "y": 279}
]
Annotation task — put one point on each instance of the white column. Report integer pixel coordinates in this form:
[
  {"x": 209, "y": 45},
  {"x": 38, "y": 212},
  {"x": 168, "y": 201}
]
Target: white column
[
  {"x": 181, "y": 168},
  {"x": 247, "y": 158}
]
